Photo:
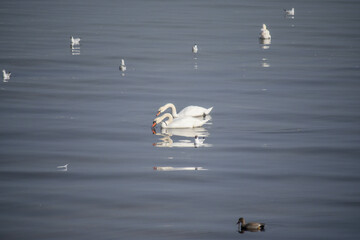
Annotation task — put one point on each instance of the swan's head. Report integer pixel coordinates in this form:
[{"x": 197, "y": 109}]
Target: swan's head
[
  {"x": 161, "y": 118},
  {"x": 160, "y": 110},
  {"x": 264, "y": 26}
]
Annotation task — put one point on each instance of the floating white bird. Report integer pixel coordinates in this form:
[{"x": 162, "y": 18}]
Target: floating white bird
[
  {"x": 75, "y": 41},
  {"x": 122, "y": 66},
  {"x": 265, "y": 33},
  {"x": 192, "y": 111},
  {"x": 290, "y": 12},
  {"x": 195, "y": 48},
  {"x": 183, "y": 122},
  {"x": 6, "y": 75},
  {"x": 63, "y": 168},
  {"x": 199, "y": 141}
]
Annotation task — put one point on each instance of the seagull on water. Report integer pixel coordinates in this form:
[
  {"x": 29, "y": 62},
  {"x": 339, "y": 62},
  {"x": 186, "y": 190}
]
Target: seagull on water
[
  {"x": 6, "y": 75},
  {"x": 75, "y": 41},
  {"x": 63, "y": 168},
  {"x": 198, "y": 140},
  {"x": 265, "y": 33},
  {"x": 122, "y": 66},
  {"x": 195, "y": 48},
  {"x": 290, "y": 12}
]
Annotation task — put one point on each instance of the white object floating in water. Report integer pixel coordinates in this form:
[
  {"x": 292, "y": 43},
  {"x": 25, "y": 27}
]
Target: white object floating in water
[
  {"x": 122, "y": 66},
  {"x": 290, "y": 12},
  {"x": 199, "y": 140},
  {"x": 63, "y": 168},
  {"x": 191, "y": 111},
  {"x": 179, "y": 168},
  {"x": 264, "y": 33},
  {"x": 195, "y": 48},
  {"x": 75, "y": 41},
  {"x": 6, "y": 75}
]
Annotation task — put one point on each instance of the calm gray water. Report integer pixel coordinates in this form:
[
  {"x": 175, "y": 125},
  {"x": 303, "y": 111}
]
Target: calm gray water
[{"x": 282, "y": 146}]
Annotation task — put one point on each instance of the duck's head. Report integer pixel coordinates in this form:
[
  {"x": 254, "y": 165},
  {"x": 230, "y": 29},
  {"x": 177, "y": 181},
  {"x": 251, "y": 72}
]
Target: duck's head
[{"x": 241, "y": 220}]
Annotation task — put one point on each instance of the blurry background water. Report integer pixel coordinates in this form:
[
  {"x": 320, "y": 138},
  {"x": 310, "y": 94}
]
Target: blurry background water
[{"x": 283, "y": 141}]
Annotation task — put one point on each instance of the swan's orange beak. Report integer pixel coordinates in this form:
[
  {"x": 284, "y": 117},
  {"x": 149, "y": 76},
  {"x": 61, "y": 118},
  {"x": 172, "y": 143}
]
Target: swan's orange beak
[
  {"x": 154, "y": 124},
  {"x": 158, "y": 113},
  {"x": 153, "y": 130}
]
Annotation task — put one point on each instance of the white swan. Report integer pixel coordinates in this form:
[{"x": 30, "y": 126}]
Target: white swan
[
  {"x": 6, "y": 75},
  {"x": 290, "y": 12},
  {"x": 265, "y": 33},
  {"x": 184, "y": 122},
  {"x": 195, "y": 48},
  {"x": 75, "y": 41},
  {"x": 192, "y": 111}
]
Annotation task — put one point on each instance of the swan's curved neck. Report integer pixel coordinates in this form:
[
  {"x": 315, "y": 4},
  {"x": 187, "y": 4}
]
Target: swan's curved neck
[
  {"x": 164, "y": 116},
  {"x": 173, "y": 108}
]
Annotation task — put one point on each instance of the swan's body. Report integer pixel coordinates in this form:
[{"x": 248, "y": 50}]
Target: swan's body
[
  {"x": 265, "y": 33},
  {"x": 122, "y": 66},
  {"x": 252, "y": 226},
  {"x": 6, "y": 75},
  {"x": 195, "y": 48},
  {"x": 183, "y": 122},
  {"x": 290, "y": 12},
  {"x": 75, "y": 41},
  {"x": 192, "y": 111}
]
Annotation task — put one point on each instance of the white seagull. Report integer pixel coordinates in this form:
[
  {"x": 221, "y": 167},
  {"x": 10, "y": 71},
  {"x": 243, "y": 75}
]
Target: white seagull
[
  {"x": 195, "y": 48},
  {"x": 265, "y": 33},
  {"x": 75, "y": 41},
  {"x": 290, "y": 12},
  {"x": 63, "y": 168},
  {"x": 6, "y": 75},
  {"x": 122, "y": 66},
  {"x": 198, "y": 141}
]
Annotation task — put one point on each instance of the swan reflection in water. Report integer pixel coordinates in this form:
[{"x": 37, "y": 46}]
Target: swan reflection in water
[
  {"x": 179, "y": 168},
  {"x": 265, "y": 43},
  {"x": 75, "y": 49},
  {"x": 166, "y": 140}
]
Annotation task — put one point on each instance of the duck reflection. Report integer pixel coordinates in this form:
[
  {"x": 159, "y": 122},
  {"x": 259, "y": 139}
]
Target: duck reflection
[
  {"x": 75, "y": 49},
  {"x": 197, "y": 136},
  {"x": 265, "y": 43}
]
